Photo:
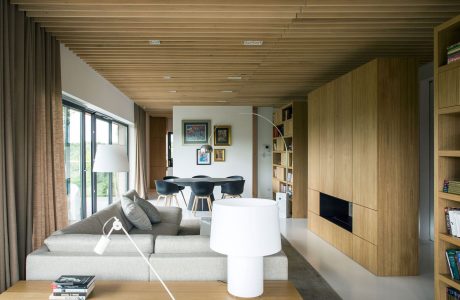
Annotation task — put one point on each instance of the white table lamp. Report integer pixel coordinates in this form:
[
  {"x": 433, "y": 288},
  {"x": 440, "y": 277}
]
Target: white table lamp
[{"x": 246, "y": 230}]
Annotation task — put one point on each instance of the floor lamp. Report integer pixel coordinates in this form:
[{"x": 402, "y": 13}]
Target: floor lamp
[{"x": 111, "y": 159}]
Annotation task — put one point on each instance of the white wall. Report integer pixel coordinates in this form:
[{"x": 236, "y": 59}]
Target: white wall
[
  {"x": 238, "y": 156},
  {"x": 84, "y": 84},
  {"x": 264, "y": 145}
]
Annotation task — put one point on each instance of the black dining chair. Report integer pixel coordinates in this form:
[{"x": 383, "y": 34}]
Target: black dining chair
[
  {"x": 232, "y": 189},
  {"x": 201, "y": 176},
  {"x": 236, "y": 177},
  {"x": 202, "y": 191},
  {"x": 181, "y": 188},
  {"x": 167, "y": 190}
]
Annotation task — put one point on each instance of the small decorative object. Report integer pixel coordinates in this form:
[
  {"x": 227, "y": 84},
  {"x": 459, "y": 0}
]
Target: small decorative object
[
  {"x": 222, "y": 135},
  {"x": 195, "y": 131},
  {"x": 219, "y": 155},
  {"x": 203, "y": 158}
]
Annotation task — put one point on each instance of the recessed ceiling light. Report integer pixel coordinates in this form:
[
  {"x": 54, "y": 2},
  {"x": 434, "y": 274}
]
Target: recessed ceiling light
[
  {"x": 234, "y": 77},
  {"x": 227, "y": 91},
  {"x": 167, "y": 77},
  {"x": 154, "y": 42},
  {"x": 222, "y": 101},
  {"x": 172, "y": 91},
  {"x": 252, "y": 43}
]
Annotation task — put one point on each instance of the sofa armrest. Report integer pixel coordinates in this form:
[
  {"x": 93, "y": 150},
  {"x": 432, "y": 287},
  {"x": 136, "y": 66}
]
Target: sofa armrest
[
  {"x": 87, "y": 242},
  {"x": 182, "y": 244}
]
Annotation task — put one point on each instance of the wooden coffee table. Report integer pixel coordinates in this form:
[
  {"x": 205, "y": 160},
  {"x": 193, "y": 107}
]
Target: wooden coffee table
[{"x": 140, "y": 290}]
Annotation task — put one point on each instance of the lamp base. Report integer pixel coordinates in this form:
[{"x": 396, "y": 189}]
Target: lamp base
[{"x": 245, "y": 276}]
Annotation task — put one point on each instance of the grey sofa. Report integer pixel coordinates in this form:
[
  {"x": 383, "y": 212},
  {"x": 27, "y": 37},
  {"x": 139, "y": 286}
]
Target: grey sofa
[{"x": 175, "y": 257}]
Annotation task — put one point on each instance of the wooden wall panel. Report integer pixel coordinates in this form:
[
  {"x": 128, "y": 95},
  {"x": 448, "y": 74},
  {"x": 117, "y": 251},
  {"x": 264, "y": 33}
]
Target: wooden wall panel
[
  {"x": 365, "y": 254},
  {"x": 313, "y": 139},
  {"x": 365, "y": 223},
  {"x": 365, "y": 135},
  {"x": 398, "y": 167},
  {"x": 157, "y": 140},
  {"x": 343, "y": 138},
  {"x": 326, "y": 140},
  {"x": 300, "y": 161},
  {"x": 313, "y": 201}
]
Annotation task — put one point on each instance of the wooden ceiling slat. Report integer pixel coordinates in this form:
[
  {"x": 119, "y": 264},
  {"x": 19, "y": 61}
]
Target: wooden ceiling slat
[{"x": 306, "y": 43}]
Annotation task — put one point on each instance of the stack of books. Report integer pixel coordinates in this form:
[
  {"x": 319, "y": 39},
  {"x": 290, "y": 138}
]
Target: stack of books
[
  {"x": 452, "y": 220},
  {"x": 451, "y": 186},
  {"x": 72, "y": 287},
  {"x": 453, "y": 53},
  {"x": 452, "y": 294},
  {"x": 452, "y": 256}
]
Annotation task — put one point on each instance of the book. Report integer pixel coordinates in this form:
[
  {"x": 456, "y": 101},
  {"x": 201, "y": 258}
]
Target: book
[
  {"x": 452, "y": 294},
  {"x": 74, "y": 290},
  {"x": 74, "y": 280},
  {"x": 452, "y": 263},
  {"x": 52, "y": 297}
]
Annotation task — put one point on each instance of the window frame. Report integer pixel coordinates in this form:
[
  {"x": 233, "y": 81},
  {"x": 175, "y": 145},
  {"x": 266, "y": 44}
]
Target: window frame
[{"x": 66, "y": 101}]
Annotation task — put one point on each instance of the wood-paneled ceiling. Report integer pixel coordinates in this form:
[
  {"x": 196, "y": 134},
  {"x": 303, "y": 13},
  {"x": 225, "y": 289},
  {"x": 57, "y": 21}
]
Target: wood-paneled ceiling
[{"x": 305, "y": 43}]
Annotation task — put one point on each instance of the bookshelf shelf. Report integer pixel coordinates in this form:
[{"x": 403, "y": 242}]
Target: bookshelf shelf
[
  {"x": 449, "y": 110},
  {"x": 450, "y": 239},
  {"x": 449, "y": 153},
  {"x": 447, "y": 140},
  {"x": 445, "y": 278},
  {"x": 447, "y": 196}
]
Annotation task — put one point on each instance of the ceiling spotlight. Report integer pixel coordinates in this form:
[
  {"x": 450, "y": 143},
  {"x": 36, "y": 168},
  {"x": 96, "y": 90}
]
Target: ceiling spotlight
[
  {"x": 227, "y": 91},
  {"x": 234, "y": 77},
  {"x": 154, "y": 42},
  {"x": 252, "y": 43},
  {"x": 172, "y": 91},
  {"x": 222, "y": 101},
  {"x": 167, "y": 77}
]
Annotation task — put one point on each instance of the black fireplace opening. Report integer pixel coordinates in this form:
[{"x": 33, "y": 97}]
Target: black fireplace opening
[{"x": 336, "y": 210}]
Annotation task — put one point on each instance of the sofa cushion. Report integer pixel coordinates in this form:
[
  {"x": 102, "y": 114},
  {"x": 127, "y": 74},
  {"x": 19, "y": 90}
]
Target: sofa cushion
[
  {"x": 170, "y": 214},
  {"x": 87, "y": 242},
  {"x": 158, "y": 229},
  {"x": 135, "y": 214},
  {"x": 131, "y": 194},
  {"x": 94, "y": 223},
  {"x": 182, "y": 244},
  {"x": 150, "y": 210}
]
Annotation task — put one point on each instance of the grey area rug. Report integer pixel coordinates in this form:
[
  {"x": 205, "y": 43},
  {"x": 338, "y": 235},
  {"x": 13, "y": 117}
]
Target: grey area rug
[{"x": 305, "y": 278}]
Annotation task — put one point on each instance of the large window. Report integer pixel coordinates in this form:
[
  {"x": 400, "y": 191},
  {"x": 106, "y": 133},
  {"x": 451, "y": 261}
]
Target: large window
[{"x": 89, "y": 192}]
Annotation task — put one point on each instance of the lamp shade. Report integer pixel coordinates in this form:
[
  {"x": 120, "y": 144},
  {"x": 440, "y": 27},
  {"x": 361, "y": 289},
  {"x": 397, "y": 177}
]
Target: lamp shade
[
  {"x": 245, "y": 227},
  {"x": 111, "y": 158}
]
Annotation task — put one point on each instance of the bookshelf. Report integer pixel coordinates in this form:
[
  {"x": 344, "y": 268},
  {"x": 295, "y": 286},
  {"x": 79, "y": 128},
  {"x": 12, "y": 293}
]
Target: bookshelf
[
  {"x": 447, "y": 147},
  {"x": 291, "y": 121}
]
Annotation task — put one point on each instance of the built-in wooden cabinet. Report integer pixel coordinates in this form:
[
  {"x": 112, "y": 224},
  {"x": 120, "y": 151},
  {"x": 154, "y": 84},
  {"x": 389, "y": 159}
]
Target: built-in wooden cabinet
[
  {"x": 368, "y": 156},
  {"x": 291, "y": 120},
  {"x": 447, "y": 149}
]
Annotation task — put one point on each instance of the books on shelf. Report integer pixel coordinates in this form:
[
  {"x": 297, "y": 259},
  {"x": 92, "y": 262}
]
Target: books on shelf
[
  {"x": 452, "y": 215},
  {"x": 453, "y": 294},
  {"x": 452, "y": 256},
  {"x": 72, "y": 287},
  {"x": 451, "y": 186},
  {"x": 453, "y": 53}
]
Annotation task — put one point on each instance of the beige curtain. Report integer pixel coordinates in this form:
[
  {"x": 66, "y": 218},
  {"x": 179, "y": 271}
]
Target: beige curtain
[
  {"x": 32, "y": 196},
  {"x": 141, "y": 159}
]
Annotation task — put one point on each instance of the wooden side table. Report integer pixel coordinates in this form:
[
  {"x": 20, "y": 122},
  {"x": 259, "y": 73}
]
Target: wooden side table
[{"x": 140, "y": 290}]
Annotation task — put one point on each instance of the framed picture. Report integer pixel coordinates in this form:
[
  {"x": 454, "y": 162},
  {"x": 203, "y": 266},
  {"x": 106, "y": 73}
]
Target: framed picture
[
  {"x": 195, "y": 131},
  {"x": 219, "y": 154},
  {"x": 223, "y": 135},
  {"x": 203, "y": 158}
]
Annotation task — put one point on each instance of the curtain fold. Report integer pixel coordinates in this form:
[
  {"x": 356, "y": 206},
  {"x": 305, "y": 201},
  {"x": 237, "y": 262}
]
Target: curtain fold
[
  {"x": 32, "y": 195},
  {"x": 140, "y": 179}
]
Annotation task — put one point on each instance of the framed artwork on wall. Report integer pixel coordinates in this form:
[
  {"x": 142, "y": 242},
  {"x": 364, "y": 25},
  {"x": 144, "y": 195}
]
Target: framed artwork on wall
[
  {"x": 222, "y": 135},
  {"x": 195, "y": 131},
  {"x": 203, "y": 158},
  {"x": 219, "y": 154}
]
